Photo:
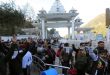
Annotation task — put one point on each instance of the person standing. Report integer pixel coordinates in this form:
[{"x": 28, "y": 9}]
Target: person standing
[
  {"x": 26, "y": 62},
  {"x": 27, "y": 56},
  {"x": 49, "y": 56},
  {"x": 66, "y": 57},
  {"x": 81, "y": 61},
  {"x": 15, "y": 67},
  {"x": 4, "y": 57},
  {"x": 100, "y": 64}
]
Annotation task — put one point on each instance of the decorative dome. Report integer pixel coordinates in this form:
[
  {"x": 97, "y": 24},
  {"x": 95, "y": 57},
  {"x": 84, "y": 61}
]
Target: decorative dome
[
  {"x": 78, "y": 20},
  {"x": 72, "y": 10},
  {"x": 42, "y": 11},
  {"x": 57, "y": 7}
]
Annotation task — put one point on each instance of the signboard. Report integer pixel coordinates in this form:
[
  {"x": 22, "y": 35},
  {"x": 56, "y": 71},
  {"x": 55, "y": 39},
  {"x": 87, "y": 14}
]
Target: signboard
[{"x": 99, "y": 37}]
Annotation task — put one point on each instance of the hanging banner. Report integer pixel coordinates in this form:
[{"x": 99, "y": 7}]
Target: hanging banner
[
  {"x": 99, "y": 37},
  {"x": 108, "y": 35}
]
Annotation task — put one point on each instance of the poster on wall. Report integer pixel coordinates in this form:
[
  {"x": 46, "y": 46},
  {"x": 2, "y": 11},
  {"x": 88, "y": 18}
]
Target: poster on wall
[{"x": 99, "y": 37}]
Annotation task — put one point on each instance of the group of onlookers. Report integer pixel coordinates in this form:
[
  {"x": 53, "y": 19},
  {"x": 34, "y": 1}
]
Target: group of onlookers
[
  {"x": 16, "y": 56},
  {"x": 85, "y": 58}
]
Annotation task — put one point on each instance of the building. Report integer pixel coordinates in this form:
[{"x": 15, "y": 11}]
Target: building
[{"x": 57, "y": 17}]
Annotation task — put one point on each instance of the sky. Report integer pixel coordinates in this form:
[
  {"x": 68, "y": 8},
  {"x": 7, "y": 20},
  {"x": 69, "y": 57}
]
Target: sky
[{"x": 87, "y": 9}]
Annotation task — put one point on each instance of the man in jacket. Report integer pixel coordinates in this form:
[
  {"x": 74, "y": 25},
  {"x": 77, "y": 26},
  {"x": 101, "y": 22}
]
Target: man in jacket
[
  {"x": 4, "y": 58},
  {"x": 100, "y": 64}
]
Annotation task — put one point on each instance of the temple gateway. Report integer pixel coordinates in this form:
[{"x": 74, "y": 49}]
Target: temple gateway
[{"x": 57, "y": 17}]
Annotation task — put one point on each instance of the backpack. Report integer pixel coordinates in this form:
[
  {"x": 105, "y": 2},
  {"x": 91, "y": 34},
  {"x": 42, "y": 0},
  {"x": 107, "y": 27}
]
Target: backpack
[
  {"x": 58, "y": 53},
  {"x": 81, "y": 60},
  {"x": 72, "y": 71},
  {"x": 66, "y": 54},
  {"x": 51, "y": 53}
]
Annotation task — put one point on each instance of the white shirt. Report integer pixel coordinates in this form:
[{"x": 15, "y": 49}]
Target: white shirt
[
  {"x": 14, "y": 54},
  {"x": 27, "y": 60}
]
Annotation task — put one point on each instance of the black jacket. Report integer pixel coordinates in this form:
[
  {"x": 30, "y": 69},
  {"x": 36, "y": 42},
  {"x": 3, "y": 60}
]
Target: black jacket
[{"x": 4, "y": 58}]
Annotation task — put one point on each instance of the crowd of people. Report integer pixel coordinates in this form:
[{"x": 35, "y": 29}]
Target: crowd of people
[
  {"x": 16, "y": 55},
  {"x": 84, "y": 59}
]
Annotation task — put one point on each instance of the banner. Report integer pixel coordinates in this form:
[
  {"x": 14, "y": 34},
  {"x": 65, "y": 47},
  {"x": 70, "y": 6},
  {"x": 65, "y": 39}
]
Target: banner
[{"x": 108, "y": 35}]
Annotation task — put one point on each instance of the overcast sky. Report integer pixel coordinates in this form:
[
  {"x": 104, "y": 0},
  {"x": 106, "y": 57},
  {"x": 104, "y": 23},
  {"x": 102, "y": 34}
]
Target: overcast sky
[{"x": 87, "y": 9}]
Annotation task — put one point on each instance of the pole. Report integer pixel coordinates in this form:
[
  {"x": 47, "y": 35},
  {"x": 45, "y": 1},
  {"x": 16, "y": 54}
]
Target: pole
[
  {"x": 73, "y": 30},
  {"x": 46, "y": 33},
  {"x": 68, "y": 32},
  {"x": 43, "y": 29}
]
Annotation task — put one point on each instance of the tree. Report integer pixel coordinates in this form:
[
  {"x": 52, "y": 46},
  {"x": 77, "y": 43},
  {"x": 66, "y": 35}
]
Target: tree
[
  {"x": 10, "y": 18},
  {"x": 52, "y": 31}
]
